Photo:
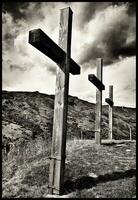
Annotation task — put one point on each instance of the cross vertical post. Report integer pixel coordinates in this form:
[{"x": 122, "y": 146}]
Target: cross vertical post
[
  {"x": 81, "y": 135},
  {"x": 130, "y": 130},
  {"x": 58, "y": 151},
  {"x": 97, "y": 81},
  {"x": 110, "y": 107},
  {"x": 98, "y": 116},
  {"x": 110, "y": 113}
]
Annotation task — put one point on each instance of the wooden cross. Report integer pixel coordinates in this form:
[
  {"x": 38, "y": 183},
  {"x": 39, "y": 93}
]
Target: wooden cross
[
  {"x": 61, "y": 55},
  {"x": 97, "y": 81},
  {"x": 110, "y": 103},
  {"x": 130, "y": 131}
]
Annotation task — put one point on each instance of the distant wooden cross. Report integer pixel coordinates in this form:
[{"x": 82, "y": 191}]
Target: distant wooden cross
[
  {"x": 110, "y": 103},
  {"x": 130, "y": 131},
  {"x": 97, "y": 81},
  {"x": 61, "y": 55}
]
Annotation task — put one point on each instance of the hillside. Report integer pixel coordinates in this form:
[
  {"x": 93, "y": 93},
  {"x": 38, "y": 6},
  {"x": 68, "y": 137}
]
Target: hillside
[
  {"x": 32, "y": 113},
  {"x": 27, "y": 119}
]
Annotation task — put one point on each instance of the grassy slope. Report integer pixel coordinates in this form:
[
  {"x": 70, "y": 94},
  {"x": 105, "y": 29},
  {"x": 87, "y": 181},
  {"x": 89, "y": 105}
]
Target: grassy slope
[
  {"x": 33, "y": 114},
  {"x": 91, "y": 171},
  {"x": 27, "y": 125}
]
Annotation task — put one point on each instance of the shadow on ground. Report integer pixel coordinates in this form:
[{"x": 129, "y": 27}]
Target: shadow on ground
[{"x": 87, "y": 182}]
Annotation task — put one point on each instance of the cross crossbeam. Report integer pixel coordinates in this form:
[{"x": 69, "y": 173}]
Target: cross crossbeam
[
  {"x": 109, "y": 101},
  {"x": 93, "y": 79},
  {"x": 43, "y": 43}
]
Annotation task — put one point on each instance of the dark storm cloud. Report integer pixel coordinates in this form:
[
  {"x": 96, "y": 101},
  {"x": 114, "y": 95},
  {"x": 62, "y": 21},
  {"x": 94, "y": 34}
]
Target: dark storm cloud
[
  {"x": 128, "y": 49},
  {"x": 8, "y": 39},
  {"x": 7, "y": 36},
  {"x": 91, "y": 8},
  {"x": 131, "y": 8},
  {"x": 110, "y": 45},
  {"x": 15, "y": 19},
  {"x": 14, "y": 8},
  {"x": 113, "y": 43},
  {"x": 19, "y": 10},
  {"x": 52, "y": 68}
]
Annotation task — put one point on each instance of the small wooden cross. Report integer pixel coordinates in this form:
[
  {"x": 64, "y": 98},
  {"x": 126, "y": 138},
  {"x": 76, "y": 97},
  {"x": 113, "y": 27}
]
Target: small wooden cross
[
  {"x": 110, "y": 103},
  {"x": 130, "y": 131},
  {"x": 97, "y": 81},
  {"x": 61, "y": 55}
]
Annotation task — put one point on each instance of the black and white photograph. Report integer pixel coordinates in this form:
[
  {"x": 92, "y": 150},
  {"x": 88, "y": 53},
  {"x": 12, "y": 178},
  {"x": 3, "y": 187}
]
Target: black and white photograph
[{"x": 68, "y": 99}]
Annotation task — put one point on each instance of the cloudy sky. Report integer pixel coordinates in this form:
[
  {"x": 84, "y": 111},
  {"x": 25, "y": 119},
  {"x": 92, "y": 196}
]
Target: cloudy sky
[{"x": 100, "y": 29}]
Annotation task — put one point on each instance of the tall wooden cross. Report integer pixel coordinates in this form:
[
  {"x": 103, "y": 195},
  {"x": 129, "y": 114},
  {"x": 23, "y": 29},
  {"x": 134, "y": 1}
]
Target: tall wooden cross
[
  {"x": 61, "y": 55},
  {"x": 97, "y": 81},
  {"x": 110, "y": 103}
]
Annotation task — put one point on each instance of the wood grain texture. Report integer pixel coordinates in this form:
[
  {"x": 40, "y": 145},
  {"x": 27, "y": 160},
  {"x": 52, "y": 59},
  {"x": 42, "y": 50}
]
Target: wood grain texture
[
  {"x": 93, "y": 79},
  {"x": 98, "y": 116},
  {"x": 109, "y": 101},
  {"x": 110, "y": 111},
  {"x": 110, "y": 134},
  {"x": 130, "y": 131},
  {"x": 58, "y": 150},
  {"x": 43, "y": 43},
  {"x": 111, "y": 92}
]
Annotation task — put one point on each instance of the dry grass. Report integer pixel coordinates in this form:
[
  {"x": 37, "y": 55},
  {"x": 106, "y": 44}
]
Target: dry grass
[{"x": 92, "y": 171}]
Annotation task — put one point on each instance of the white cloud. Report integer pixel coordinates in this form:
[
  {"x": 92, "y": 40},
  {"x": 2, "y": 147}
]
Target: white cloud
[
  {"x": 38, "y": 68},
  {"x": 37, "y": 79},
  {"x": 121, "y": 75}
]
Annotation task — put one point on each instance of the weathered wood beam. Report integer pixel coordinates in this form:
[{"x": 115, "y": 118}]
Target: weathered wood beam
[
  {"x": 43, "y": 43},
  {"x": 98, "y": 106},
  {"x": 111, "y": 92},
  {"x": 109, "y": 101},
  {"x": 58, "y": 150},
  {"x": 130, "y": 131},
  {"x": 93, "y": 79}
]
